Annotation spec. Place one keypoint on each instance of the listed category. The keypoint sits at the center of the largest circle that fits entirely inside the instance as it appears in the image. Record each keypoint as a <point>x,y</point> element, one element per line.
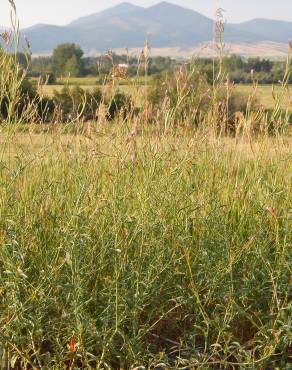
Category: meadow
<point>158,237</point>
<point>177,259</point>
<point>263,92</point>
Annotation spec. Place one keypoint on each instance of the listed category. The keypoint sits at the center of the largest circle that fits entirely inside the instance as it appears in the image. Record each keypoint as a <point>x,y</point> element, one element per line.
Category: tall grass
<point>181,257</point>
<point>136,245</point>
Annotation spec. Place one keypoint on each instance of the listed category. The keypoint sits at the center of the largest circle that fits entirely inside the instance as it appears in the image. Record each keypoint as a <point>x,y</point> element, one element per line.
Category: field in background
<point>263,92</point>
<point>265,95</point>
<point>134,87</point>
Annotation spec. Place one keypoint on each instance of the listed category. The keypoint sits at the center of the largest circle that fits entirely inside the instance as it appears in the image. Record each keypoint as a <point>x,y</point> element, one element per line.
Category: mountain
<point>165,25</point>
<point>44,38</point>
<point>116,11</point>
<point>267,29</point>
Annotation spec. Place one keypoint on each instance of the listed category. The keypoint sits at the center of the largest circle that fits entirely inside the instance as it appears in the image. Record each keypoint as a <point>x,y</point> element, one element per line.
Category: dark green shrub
<point>48,78</point>
<point>63,101</point>
<point>41,108</point>
<point>186,94</point>
<point>46,109</point>
<point>26,94</point>
<point>190,97</point>
<point>229,105</point>
<point>73,103</point>
<point>120,103</point>
<point>238,102</point>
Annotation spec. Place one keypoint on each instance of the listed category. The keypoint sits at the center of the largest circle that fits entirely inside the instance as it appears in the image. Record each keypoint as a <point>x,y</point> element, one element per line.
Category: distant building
<point>120,70</point>
<point>123,66</point>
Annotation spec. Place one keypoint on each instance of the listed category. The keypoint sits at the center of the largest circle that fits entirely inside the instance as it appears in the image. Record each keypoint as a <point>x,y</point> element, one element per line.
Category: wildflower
<point>72,345</point>
<point>133,134</point>
<point>272,211</point>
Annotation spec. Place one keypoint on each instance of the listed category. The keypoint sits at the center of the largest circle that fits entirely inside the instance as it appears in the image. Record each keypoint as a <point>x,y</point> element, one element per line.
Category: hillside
<point>165,25</point>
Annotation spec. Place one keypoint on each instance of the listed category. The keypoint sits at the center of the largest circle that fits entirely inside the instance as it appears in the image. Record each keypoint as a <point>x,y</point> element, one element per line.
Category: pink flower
<point>72,344</point>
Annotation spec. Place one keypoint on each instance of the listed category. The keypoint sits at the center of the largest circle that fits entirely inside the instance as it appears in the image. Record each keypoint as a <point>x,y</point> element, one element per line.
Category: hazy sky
<point>63,11</point>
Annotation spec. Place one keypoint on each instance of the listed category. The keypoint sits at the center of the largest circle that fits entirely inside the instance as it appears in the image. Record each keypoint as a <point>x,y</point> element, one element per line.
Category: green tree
<point>23,60</point>
<point>67,58</point>
<point>72,67</point>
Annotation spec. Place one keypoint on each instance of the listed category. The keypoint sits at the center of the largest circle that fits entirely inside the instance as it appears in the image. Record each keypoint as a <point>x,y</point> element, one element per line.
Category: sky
<point>61,12</point>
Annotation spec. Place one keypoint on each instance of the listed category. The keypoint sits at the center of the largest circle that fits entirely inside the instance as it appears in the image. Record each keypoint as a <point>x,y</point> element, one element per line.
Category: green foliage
<point>72,67</point>
<point>67,59</point>
<point>28,106</point>
<point>119,103</point>
<point>169,247</point>
<point>190,98</point>
<point>41,66</point>
<point>181,90</point>
<point>16,92</point>
<point>173,259</point>
<point>258,65</point>
<point>233,63</point>
<point>23,60</point>
<point>76,103</point>
<point>239,69</point>
<point>48,78</point>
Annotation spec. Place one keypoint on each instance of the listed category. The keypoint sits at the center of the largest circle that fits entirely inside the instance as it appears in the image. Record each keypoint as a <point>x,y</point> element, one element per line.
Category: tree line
<point>69,60</point>
<point>246,71</point>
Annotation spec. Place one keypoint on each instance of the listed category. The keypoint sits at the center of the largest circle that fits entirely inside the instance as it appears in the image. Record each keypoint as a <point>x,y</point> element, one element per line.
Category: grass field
<point>263,92</point>
<point>135,88</point>
<point>145,251</point>
<point>49,89</point>
<point>265,95</point>
<point>144,236</point>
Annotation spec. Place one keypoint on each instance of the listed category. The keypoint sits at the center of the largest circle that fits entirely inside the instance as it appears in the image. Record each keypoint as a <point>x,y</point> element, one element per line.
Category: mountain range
<point>165,25</point>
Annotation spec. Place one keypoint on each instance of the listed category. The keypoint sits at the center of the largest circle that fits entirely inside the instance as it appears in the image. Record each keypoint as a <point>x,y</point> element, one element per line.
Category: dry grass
<point>153,241</point>
<point>265,95</point>
<point>139,260</point>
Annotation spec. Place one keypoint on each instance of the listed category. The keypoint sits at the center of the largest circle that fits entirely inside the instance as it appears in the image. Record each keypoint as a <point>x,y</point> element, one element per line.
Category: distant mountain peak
<point>122,7</point>
<point>125,5</point>
<point>117,10</point>
<point>165,4</point>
